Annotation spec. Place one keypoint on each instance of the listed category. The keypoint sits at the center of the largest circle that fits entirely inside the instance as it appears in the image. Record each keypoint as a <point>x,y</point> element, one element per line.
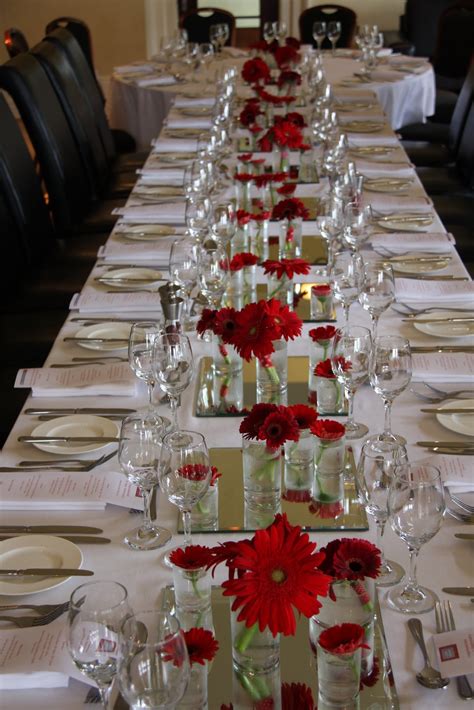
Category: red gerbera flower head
<point>324,369</point>
<point>296,696</point>
<point>255,71</point>
<point>250,426</point>
<point>191,557</point>
<point>323,334</point>
<point>243,177</point>
<point>288,267</point>
<point>286,134</point>
<point>223,552</point>
<point>296,495</point>
<point>356,559</point>
<point>245,157</point>
<point>304,415</point>
<point>290,324</point>
<point>290,209</point>
<point>293,42</point>
<point>278,427</point>
<point>272,99</point>
<point>255,331</point>
<point>280,575</point>
<point>284,56</point>
<point>249,113</point>
<point>215,475</point>
<point>328,429</point>
<point>261,216</point>
<point>194,471</point>
<point>321,290</point>
<point>296,118</point>
<point>289,77</point>
<point>287,189</point>
<point>207,321</point>
<point>201,645</point>
<point>224,323</point>
<point>326,511</point>
<point>342,639</point>
<point>242,217</point>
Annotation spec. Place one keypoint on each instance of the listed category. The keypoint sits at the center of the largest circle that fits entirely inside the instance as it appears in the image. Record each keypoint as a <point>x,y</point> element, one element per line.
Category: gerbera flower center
<point>278,576</point>
<point>355,565</point>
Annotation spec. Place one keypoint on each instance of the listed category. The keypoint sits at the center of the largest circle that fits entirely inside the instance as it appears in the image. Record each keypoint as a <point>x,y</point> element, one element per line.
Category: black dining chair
<point>197,23</point>
<point>328,13</point>
<point>454,45</point>
<point>15,42</point>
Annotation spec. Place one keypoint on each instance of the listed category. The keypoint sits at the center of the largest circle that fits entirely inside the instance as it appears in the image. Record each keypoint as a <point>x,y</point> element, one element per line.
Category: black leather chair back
<point>61,167</point>
<point>65,41</point>
<point>328,13</point>
<point>420,24</point>
<point>465,157</point>
<point>78,112</point>
<point>455,41</point>
<point>197,23</point>
<point>79,30</point>
<point>461,109</point>
<point>15,42</point>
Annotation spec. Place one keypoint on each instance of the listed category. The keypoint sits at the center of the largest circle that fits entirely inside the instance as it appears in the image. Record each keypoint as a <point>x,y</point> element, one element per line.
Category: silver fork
<point>404,309</point>
<point>466,507</point>
<point>25,622</point>
<point>92,697</point>
<point>444,393</point>
<point>434,400</point>
<point>39,608</point>
<point>460,516</point>
<point>77,464</point>
<point>445,622</point>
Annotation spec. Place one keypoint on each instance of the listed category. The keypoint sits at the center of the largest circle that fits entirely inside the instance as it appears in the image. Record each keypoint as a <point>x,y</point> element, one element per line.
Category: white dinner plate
<point>136,278</point>
<point>443,330</point>
<point>145,232</point>
<point>419,267</point>
<point>394,225</point>
<point>172,157</point>
<point>36,551</point>
<point>105,331</point>
<point>159,190</point>
<point>401,186</point>
<point>460,423</point>
<point>75,425</point>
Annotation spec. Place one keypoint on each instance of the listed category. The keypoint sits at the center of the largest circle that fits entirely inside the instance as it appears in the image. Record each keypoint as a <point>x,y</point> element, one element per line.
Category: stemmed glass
<point>390,374</point>
<point>319,33</point>
<point>334,32</point>
<point>153,666</point>
<point>138,456</point>
<point>213,272</point>
<point>140,349</point>
<point>184,473</point>
<point>173,366</point>
<point>206,53</point>
<point>331,228</point>
<point>356,217</point>
<point>184,269</point>
<point>378,291</point>
<point>416,507</point>
<point>97,611</point>
<point>197,215</point>
<point>280,30</point>
<point>268,31</point>
<point>350,355</point>
<point>373,476</point>
<point>347,274</point>
<point>223,224</point>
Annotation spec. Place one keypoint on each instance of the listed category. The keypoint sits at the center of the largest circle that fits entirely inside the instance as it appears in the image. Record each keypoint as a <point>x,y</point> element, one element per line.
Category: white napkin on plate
<point>186,102</point>
<point>88,380</point>
<point>416,241</point>
<point>90,300</point>
<point>132,68</point>
<point>158,249</point>
<point>397,204</point>
<point>384,169</point>
<point>443,367</point>
<point>163,80</point>
<point>163,175</point>
<point>188,122</point>
<point>384,137</point>
<point>413,290</point>
<point>174,145</point>
<point>169,213</point>
<point>381,75</point>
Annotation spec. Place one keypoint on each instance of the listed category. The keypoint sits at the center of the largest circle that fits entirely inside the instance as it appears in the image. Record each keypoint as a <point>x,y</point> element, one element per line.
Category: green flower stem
<point>279,288</point>
<point>338,395</point>
<point>194,578</point>
<point>322,447</point>
<point>245,637</point>
<point>255,686</point>
<point>265,471</point>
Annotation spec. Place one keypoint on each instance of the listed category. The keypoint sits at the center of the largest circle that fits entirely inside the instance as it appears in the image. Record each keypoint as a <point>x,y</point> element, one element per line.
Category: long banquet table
<point>443,560</point>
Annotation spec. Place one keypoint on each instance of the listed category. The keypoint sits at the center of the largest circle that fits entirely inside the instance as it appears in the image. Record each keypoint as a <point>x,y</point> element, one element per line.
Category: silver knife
<point>68,439</point>
<point>46,572</point>
<point>463,591</point>
<point>451,410</point>
<point>464,536</point>
<point>428,277</point>
<point>126,280</point>
<point>452,451</point>
<point>71,339</point>
<point>80,410</point>
<point>442,349</point>
<point>469,319</point>
<point>78,539</point>
<point>45,529</point>
<point>448,444</point>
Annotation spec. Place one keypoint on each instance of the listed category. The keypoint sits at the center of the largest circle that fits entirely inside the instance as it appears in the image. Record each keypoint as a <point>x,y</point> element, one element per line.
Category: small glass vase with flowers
<point>280,274</point>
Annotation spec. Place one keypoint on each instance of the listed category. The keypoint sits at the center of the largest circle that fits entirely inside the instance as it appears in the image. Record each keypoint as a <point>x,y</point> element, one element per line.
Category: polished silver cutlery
<point>68,439</point>
<point>73,339</point>
<point>464,536</point>
<point>46,572</point>
<point>428,676</point>
<point>428,277</point>
<point>445,622</point>
<point>51,529</point>
<point>60,411</point>
<point>442,349</point>
<point>38,608</point>
<point>447,444</point>
<point>448,319</point>
<point>460,591</point>
<point>77,539</point>
<point>448,410</point>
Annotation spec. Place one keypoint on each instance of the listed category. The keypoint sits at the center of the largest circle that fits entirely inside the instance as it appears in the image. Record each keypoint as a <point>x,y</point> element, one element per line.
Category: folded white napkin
<point>457,472</point>
<point>88,380</point>
<point>397,204</point>
<point>384,137</point>
<point>163,175</point>
<point>416,241</point>
<point>156,81</point>
<point>434,291</point>
<point>159,250</point>
<point>384,169</point>
<point>90,300</point>
<point>132,68</point>
<point>186,102</point>
<point>356,95</point>
<point>174,145</point>
<point>381,75</point>
<point>443,367</point>
<point>169,213</point>
<point>189,122</point>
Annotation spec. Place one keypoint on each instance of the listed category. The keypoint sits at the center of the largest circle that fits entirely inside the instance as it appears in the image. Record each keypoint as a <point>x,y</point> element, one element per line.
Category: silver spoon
<point>428,676</point>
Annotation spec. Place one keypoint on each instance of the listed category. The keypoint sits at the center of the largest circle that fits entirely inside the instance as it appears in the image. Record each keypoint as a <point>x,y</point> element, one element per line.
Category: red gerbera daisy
<point>215,475</point>
<point>287,189</point>
<point>242,216</point>
<point>223,552</point>
<point>289,323</point>
<point>194,471</point>
<point>191,557</point>
<point>293,42</point>
<point>280,574</point>
<point>321,290</point>
<point>287,135</point>
<point>370,679</point>
<point>245,157</point>
<point>255,70</point>
<point>322,334</point>
<point>278,427</point>
<point>207,321</point>
<point>289,267</point>
<point>296,696</point>
<point>290,209</point>
<point>296,118</point>
<point>304,415</point>
<point>356,559</point>
<point>324,369</point>
<point>242,259</point>
<point>284,56</point>
<point>250,426</point>
<point>296,495</point>
<point>289,77</point>
<point>328,429</point>
<point>201,645</point>
<point>224,323</point>
<point>341,639</point>
<point>254,332</point>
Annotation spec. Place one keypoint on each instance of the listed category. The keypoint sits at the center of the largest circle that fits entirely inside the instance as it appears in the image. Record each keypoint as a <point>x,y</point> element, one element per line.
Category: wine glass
<point>223,224</point>
<point>138,456</point>
<point>268,32</point>
<point>173,366</point>
<point>416,507</point>
<point>331,228</point>
<point>377,292</point>
<point>214,33</point>
<point>390,374</point>
<point>319,33</point>
<point>206,53</point>
<point>334,32</point>
<point>350,355</point>
<point>356,217</point>
<point>195,180</point>
<point>184,270</point>
<point>197,215</point>
<point>374,474</point>
<point>153,666</point>
<point>97,611</point>
<point>280,30</point>
<point>184,473</point>
<point>347,274</point>
<point>213,271</point>
<point>140,349</point>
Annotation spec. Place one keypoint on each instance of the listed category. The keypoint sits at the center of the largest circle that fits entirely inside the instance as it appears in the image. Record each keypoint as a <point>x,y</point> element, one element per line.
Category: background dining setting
<point>237,464</point>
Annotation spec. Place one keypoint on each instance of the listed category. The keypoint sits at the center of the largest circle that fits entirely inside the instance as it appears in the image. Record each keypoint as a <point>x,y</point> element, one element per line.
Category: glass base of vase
<point>355,430</point>
<point>393,574</point>
<point>411,601</point>
<point>392,438</point>
<point>150,538</point>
